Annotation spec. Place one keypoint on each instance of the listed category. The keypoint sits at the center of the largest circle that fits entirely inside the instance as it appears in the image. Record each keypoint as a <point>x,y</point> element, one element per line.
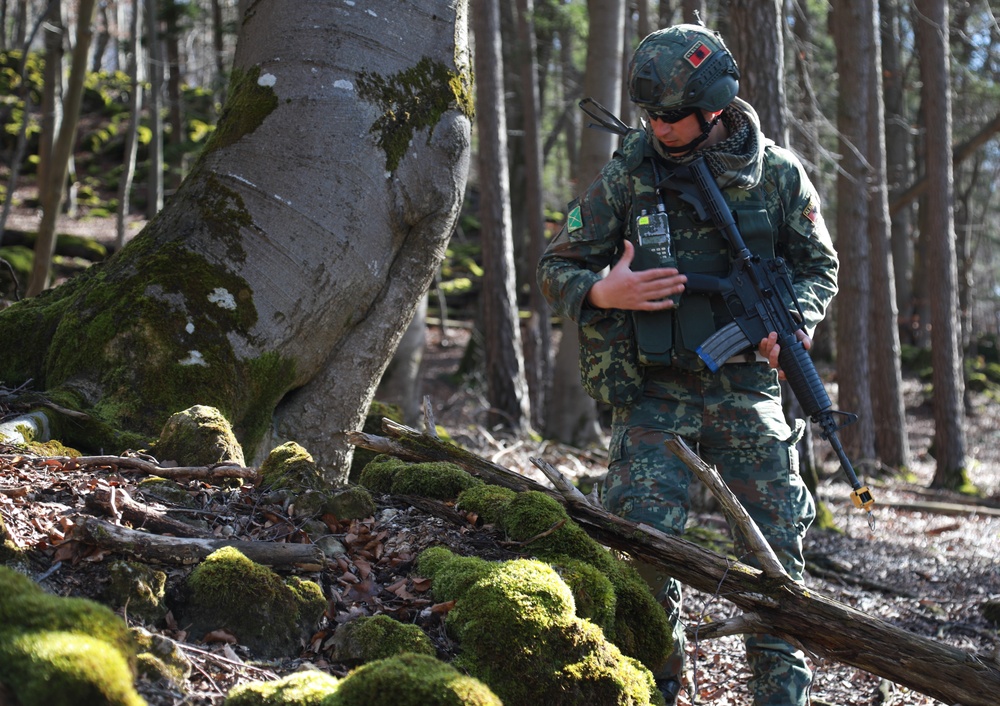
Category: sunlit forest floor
<point>928,570</point>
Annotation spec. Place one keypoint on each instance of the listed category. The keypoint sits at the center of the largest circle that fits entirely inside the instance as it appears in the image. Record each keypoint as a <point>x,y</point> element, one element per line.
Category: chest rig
<point>670,337</point>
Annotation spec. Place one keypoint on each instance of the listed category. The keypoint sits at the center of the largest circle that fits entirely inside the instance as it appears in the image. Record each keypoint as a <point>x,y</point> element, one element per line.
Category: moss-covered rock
<point>308,688</point>
<point>366,639</point>
<point>161,659</point>
<point>640,627</point>
<point>268,615</point>
<point>291,467</point>
<point>58,651</point>
<point>486,500</point>
<point>549,655</point>
<point>198,436</point>
<point>411,680</point>
<point>139,589</point>
<point>351,503</point>
<point>432,479</point>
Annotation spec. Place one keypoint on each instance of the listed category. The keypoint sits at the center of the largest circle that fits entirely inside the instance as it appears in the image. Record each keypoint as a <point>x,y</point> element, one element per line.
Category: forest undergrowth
<point>929,566</point>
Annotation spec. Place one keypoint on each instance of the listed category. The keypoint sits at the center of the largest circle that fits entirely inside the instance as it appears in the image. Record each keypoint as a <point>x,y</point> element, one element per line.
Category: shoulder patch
<point>811,211</point>
<point>574,221</point>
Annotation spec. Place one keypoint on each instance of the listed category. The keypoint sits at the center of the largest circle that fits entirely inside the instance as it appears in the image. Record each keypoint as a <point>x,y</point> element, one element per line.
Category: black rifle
<point>759,295</point>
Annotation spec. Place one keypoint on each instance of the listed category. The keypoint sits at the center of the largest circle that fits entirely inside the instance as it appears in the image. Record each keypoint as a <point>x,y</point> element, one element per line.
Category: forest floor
<point>929,570</point>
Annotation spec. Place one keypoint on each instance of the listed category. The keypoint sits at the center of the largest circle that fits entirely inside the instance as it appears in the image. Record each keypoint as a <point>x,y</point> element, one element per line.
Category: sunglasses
<point>671,116</point>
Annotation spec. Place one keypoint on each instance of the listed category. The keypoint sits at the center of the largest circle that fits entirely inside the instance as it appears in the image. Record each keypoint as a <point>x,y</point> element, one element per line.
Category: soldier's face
<point>676,134</point>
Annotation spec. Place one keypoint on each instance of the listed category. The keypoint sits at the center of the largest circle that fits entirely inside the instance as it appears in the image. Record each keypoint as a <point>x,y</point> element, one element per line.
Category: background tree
<point>507,390</point>
<point>855,67</point>
<point>572,415</point>
<point>62,151</point>
<point>755,35</point>
<point>934,56</point>
<point>888,419</point>
<point>283,272</point>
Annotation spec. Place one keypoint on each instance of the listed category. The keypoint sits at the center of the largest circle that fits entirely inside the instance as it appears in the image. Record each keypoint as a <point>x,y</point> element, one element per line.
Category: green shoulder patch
<point>574,221</point>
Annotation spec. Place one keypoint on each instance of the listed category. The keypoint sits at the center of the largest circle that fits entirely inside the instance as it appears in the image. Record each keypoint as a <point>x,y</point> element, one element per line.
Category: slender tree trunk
<point>538,332</point>
<point>855,66</point>
<point>51,94</point>
<point>132,137</point>
<point>62,151</point>
<point>154,183</point>
<point>898,162</point>
<point>506,387</point>
<point>888,418</point>
<point>949,433</point>
<point>572,415</point>
<point>218,45</point>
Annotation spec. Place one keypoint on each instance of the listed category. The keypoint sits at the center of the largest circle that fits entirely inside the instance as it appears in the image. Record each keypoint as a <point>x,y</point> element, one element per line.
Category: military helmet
<point>684,66</point>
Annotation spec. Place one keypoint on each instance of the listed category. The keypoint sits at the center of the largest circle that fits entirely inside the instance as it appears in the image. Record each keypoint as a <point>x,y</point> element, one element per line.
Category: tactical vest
<point>670,337</point>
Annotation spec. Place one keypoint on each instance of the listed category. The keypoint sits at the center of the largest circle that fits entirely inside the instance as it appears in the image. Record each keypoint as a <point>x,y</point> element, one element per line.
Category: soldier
<point>639,328</point>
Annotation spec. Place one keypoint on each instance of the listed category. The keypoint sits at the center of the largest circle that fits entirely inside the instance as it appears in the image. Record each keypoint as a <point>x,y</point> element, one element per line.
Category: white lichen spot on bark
<point>267,80</point>
<point>190,327</point>
<point>343,83</point>
<point>223,298</point>
<point>193,358</point>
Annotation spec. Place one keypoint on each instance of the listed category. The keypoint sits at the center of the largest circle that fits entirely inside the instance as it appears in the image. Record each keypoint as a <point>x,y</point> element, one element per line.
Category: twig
<point>734,510</point>
<point>568,490</point>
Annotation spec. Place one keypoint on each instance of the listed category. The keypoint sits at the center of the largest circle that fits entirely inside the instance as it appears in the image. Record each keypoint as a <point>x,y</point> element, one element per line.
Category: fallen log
<point>822,625</point>
<point>178,550</point>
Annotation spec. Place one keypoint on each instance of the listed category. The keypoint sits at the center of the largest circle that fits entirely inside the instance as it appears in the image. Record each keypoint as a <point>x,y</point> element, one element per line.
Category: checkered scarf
<point>737,160</point>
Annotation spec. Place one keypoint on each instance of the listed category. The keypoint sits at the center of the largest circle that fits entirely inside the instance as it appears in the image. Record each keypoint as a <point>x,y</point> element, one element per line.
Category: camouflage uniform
<point>733,417</point>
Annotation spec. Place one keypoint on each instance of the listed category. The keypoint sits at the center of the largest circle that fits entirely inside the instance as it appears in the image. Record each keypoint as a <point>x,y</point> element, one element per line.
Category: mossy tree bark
<point>771,603</point>
<point>277,281</point>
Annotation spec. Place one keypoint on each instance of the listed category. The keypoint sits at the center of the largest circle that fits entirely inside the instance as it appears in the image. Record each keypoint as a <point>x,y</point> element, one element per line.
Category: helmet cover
<point>684,66</point>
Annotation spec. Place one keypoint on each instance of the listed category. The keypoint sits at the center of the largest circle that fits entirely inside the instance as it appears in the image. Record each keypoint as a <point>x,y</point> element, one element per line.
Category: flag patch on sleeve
<point>811,212</point>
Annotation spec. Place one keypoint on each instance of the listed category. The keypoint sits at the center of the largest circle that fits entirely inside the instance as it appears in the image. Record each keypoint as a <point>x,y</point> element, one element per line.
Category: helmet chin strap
<point>706,129</point>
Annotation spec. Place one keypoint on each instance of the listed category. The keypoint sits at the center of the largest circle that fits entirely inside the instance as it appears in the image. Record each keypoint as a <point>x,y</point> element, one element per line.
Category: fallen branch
<point>134,463</point>
<point>177,550</point>
<point>824,626</point>
<point>117,503</point>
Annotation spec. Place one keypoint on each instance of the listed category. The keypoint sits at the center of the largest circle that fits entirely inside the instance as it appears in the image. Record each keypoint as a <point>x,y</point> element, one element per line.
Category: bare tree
<point>572,415</point>
<point>132,136</point>
<point>888,418</point>
<point>855,67</point>
<point>942,271</point>
<point>538,332</point>
<point>62,151</point>
<point>505,381</point>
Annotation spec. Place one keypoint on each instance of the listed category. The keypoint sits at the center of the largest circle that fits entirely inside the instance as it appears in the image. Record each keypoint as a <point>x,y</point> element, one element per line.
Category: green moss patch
<point>265,613</point>
<point>58,651</point>
<point>411,680</point>
<point>432,479</point>
<point>549,655</point>
<point>309,688</point>
<point>366,639</point>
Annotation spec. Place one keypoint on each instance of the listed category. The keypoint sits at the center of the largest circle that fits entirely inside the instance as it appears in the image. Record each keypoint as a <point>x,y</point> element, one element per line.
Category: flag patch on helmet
<point>697,54</point>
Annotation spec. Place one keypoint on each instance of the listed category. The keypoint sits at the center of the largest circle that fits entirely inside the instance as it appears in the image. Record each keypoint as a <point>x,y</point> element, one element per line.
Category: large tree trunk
<point>756,37</point>
<point>770,602</point>
<point>292,257</point>
<point>942,280</point>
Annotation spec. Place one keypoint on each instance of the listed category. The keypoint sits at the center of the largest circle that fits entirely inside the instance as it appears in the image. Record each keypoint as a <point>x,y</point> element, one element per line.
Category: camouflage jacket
<point>783,199</point>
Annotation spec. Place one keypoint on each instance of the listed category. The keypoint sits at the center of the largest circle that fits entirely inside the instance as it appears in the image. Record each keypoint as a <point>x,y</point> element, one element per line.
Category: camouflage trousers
<point>735,421</point>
